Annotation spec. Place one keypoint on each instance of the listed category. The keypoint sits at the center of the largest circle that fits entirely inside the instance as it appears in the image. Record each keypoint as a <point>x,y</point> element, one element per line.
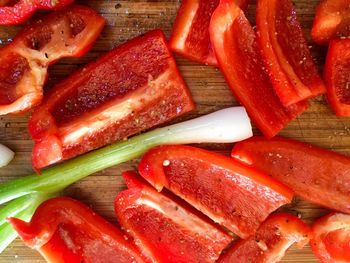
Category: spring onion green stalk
<point>224,126</point>
<point>6,155</point>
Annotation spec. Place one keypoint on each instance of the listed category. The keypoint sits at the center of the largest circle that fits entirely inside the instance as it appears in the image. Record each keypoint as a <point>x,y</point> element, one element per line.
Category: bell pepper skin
<point>229,192</point>
<point>237,52</point>
<point>317,175</point>
<point>64,230</point>
<point>337,76</point>
<point>330,238</point>
<point>332,20</point>
<point>106,101</point>
<point>270,243</point>
<point>24,62</point>
<point>285,52</point>
<point>190,37</point>
<point>165,229</point>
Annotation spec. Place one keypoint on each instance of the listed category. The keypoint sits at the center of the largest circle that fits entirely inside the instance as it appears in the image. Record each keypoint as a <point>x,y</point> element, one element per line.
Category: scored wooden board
<point>127,19</point>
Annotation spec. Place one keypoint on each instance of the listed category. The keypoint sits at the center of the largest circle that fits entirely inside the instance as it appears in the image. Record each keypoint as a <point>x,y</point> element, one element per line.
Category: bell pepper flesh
<point>285,52</point>
<point>132,88</point>
<point>237,51</point>
<point>190,36</point>
<point>317,175</point>
<point>337,76</point>
<point>230,193</point>
<point>270,243</point>
<point>332,20</point>
<point>330,238</point>
<point>65,230</point>
<point>165,229</point>
<point>24,62</point>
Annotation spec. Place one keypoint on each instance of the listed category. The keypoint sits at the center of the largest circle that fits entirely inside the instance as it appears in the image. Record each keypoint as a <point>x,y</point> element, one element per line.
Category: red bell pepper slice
<point>330,238</point>
<point>166,229</point>
<point>65,230</point>
<point>190,36</point>
<point>237,51</point>
<point>285,52</point>
<point>23,9</point>
<point>337,76</point>
<point>24,62</point>
<point>314,174</point>
<point>230,193</point>
<point>270,243</point>
<point>130,89</point>
<point>332,20</point>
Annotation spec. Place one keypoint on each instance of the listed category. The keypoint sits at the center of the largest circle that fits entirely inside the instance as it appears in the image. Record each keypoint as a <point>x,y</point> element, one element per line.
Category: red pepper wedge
<point>64,230</point>
<point>285,52</point>
<point>337,76</point>
<point>14,14</point>
<point>332,20</point>
<point>315,174</point>
<point>270,243</point>
<point>190,37</point>
<point>24,62</point>
<point>237,51</point>
<point>228,192</point>
<point>166,229</point>
<point>130,89</point>
<point>330,238</point>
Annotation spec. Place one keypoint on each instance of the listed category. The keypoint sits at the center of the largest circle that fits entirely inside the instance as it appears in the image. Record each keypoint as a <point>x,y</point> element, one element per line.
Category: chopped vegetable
<point>315,174</point>
<point>228,192</point>
<point>332,20</point>
<point>65,230</point>
<point>337,76</point>
<point>270,243</point>
<point>23,9</point>
<point>165,229</point>
<point>285,52</point>
<point>106,101</point>
<point>24,62</point>
<point>236,49</point>
<point>6,155</point>
<point>330,238</point>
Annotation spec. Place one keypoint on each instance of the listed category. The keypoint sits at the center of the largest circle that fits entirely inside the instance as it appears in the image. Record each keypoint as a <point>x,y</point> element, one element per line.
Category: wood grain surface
<point>127,19</point>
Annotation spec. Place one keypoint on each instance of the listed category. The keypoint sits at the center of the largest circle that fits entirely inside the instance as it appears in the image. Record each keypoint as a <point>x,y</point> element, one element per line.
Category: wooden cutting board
<point>127,19</point>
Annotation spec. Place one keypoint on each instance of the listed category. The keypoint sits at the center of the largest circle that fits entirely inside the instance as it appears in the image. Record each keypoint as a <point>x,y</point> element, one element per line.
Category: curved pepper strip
<point>337,76</point>
<point>228,192</point>
<point>315,174</point>
<point>270,243</point>
<point>237,51</point>
<point>330,238</point>
<point>332,20</point>
<point>64,230</point>
<point>24,62</point>
<point>285,52</point>
<point>134,87</point>
<point>23,9</point>
<point>190,36</point>
<point>166,229</point>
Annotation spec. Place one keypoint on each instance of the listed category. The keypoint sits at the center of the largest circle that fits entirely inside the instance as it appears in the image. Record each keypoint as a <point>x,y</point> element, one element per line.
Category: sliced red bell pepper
<point>285,52</point>
<point>64,230</point>
<point>270,243</point>
<point>166,229</point>
<point>130,89</point>
<point>330,238</point>
<point>190,36</point>
<point>332,20</point>
<point>237,51</point>
<point>315,174</point>
<point>24,62</point>
<point>337,76</point>
<point>14,14</point>
<point>230,193</point>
